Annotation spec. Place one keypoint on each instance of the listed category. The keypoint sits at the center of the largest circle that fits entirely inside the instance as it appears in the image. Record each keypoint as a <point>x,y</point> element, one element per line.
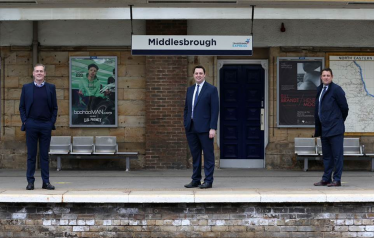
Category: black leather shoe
<point>206,185</point>
<point>321,183</point>
<point>48,186</point>
<point>192,184</point>
<point>334,184</point>
<point>30,186</point>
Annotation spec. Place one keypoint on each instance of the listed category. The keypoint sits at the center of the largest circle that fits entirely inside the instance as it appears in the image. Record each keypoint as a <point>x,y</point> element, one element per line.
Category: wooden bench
<point>311,149</point>
<point>84,147</point>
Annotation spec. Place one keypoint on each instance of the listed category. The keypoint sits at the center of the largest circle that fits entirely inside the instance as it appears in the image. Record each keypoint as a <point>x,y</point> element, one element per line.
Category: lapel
<point>202,91</point>
<point>30,93</point>
<point>48,93</point>
<point>328,91</point>
<point>190,94</point>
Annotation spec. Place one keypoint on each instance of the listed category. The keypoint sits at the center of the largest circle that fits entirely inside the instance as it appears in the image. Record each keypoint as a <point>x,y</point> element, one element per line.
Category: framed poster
<point>93,91</point>
<point>354,72</point>
<point>298,79</point>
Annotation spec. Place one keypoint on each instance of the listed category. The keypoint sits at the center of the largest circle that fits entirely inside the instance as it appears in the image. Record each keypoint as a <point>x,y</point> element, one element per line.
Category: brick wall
<point>166,83</point>
<point>187,220</point>
<point>131,106</point>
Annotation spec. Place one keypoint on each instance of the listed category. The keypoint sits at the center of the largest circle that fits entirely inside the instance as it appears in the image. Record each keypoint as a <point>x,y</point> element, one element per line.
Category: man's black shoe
<point>192,184</point>
<point>321,183</point>
<point>48,186</point>
<point>206,185</point>
<point>334,184</point>
<point>30,186</point>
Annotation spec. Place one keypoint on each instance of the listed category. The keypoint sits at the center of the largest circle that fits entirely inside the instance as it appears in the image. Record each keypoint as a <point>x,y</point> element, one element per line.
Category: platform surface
<point>166,186</point>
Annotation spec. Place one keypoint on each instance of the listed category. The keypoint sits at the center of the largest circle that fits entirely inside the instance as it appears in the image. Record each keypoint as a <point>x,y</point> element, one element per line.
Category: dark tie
<point>320,100</point>
<point>196,96</point>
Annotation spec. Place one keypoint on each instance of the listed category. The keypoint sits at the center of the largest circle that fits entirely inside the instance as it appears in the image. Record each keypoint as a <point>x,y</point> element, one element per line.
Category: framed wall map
<point>354,72</point>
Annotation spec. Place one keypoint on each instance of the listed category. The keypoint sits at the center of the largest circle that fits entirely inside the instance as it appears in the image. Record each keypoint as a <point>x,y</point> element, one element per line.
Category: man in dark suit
<point>330,113</point>
<point>200,121</point>
<point>38,110</point>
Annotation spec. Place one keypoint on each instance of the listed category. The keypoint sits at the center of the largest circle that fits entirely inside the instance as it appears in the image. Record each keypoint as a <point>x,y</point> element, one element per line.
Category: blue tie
<point>196,96</point>
<point>320,100</point>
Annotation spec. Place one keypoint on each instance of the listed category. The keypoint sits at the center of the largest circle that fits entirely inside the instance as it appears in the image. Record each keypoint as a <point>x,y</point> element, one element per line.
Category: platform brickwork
<point>187,220</point>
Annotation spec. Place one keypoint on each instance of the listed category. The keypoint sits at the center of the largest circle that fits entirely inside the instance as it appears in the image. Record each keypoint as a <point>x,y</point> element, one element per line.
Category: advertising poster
<point>93,91</point>
<point>298,79</point>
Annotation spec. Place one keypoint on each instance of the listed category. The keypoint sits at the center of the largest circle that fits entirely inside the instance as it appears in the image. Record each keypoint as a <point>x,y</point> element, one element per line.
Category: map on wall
<point>355,74</point>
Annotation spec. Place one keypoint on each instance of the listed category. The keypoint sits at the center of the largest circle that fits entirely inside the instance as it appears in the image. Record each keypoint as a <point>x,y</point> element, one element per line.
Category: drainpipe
<point>35,44</point>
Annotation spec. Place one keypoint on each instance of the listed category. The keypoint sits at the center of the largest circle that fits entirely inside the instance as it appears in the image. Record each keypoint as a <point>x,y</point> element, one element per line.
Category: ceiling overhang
<point>34,10</point>
<point>40,14</point>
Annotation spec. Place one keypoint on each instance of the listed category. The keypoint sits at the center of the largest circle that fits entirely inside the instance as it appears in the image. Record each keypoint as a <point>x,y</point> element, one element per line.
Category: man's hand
<point>212,133</point>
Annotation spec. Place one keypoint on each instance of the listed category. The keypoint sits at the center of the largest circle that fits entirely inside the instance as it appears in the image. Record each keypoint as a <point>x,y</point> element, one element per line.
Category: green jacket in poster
<point>90,88</point>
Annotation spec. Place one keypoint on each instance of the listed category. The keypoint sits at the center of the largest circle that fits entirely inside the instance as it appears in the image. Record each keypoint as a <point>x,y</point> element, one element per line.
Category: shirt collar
<point>201,85</point>
<point>39,86</point>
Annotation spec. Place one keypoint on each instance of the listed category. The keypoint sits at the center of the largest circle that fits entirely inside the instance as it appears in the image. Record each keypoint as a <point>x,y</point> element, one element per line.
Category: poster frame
<point>93,58</point>
<point>306,59</point>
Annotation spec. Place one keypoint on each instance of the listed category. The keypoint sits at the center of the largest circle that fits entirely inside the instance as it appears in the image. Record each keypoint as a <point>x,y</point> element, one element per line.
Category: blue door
<point>242,112</point>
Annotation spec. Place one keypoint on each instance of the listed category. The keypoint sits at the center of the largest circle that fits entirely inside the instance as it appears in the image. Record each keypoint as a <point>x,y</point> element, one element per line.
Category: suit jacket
<point>334,111</point>
<point>206,109</point>
<point>27,98</point>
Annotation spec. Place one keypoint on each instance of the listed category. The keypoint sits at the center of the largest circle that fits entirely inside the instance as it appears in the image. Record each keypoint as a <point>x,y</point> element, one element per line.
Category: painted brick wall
<point>166,83</point>
<point>187,220</point>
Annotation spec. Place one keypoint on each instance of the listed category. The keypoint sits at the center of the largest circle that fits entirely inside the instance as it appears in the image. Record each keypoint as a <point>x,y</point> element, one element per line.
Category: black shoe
<point>334,184</point>
<point>192,184</point>
<point>321,183</point>
<point>48,186</point>
<point>30,186</point>
<point>206,185</point>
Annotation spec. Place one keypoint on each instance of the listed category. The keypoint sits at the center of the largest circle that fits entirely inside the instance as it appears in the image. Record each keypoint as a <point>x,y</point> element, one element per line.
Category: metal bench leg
<point>127,164</point>
<point>58,163</point>
<point>305,164</point>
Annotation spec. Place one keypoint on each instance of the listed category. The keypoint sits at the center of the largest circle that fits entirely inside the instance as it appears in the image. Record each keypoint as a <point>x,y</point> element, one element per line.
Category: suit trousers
<point>332,150</point>
<point>199,142</point>
<point>38,131</point>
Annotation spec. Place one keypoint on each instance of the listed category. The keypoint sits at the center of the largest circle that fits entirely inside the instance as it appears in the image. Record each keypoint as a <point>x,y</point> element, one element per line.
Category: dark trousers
<point>332,150</point>
<point>38,131</point>
<point>199,142</point>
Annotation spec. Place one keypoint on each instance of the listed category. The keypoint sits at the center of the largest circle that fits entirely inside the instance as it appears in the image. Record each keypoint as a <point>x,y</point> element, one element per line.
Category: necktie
<point>320,99</point>
<point>196,96</point>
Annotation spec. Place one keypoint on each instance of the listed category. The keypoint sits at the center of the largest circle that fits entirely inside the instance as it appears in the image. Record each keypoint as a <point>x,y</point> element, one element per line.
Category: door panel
<point>242,98</point>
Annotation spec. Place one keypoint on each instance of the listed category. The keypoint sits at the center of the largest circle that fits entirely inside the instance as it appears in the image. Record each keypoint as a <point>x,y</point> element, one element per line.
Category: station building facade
<point>151,89</point>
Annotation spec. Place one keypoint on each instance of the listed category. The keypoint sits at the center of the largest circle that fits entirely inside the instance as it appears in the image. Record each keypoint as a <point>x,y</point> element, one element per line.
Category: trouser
<point>38,131</point>
<point>199,142</point>
<point>332,150</point>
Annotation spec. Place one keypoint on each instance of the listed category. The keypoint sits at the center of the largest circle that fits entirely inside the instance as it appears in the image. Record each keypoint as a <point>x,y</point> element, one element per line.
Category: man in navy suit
<point>200,122</point>
<point>38,110</point>
<point>330,113</point>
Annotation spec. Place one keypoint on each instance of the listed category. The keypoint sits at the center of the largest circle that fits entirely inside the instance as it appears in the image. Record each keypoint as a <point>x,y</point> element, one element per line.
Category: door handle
<point>262,119</point>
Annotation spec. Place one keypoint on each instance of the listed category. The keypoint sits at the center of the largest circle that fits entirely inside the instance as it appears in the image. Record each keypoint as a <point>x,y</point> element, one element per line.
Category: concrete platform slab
<point>34,196</point>
<point>224,196</point>
<point>285,196</point>
<point>358,195</point>
<point>161,197</point>
<point>96,196</point>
